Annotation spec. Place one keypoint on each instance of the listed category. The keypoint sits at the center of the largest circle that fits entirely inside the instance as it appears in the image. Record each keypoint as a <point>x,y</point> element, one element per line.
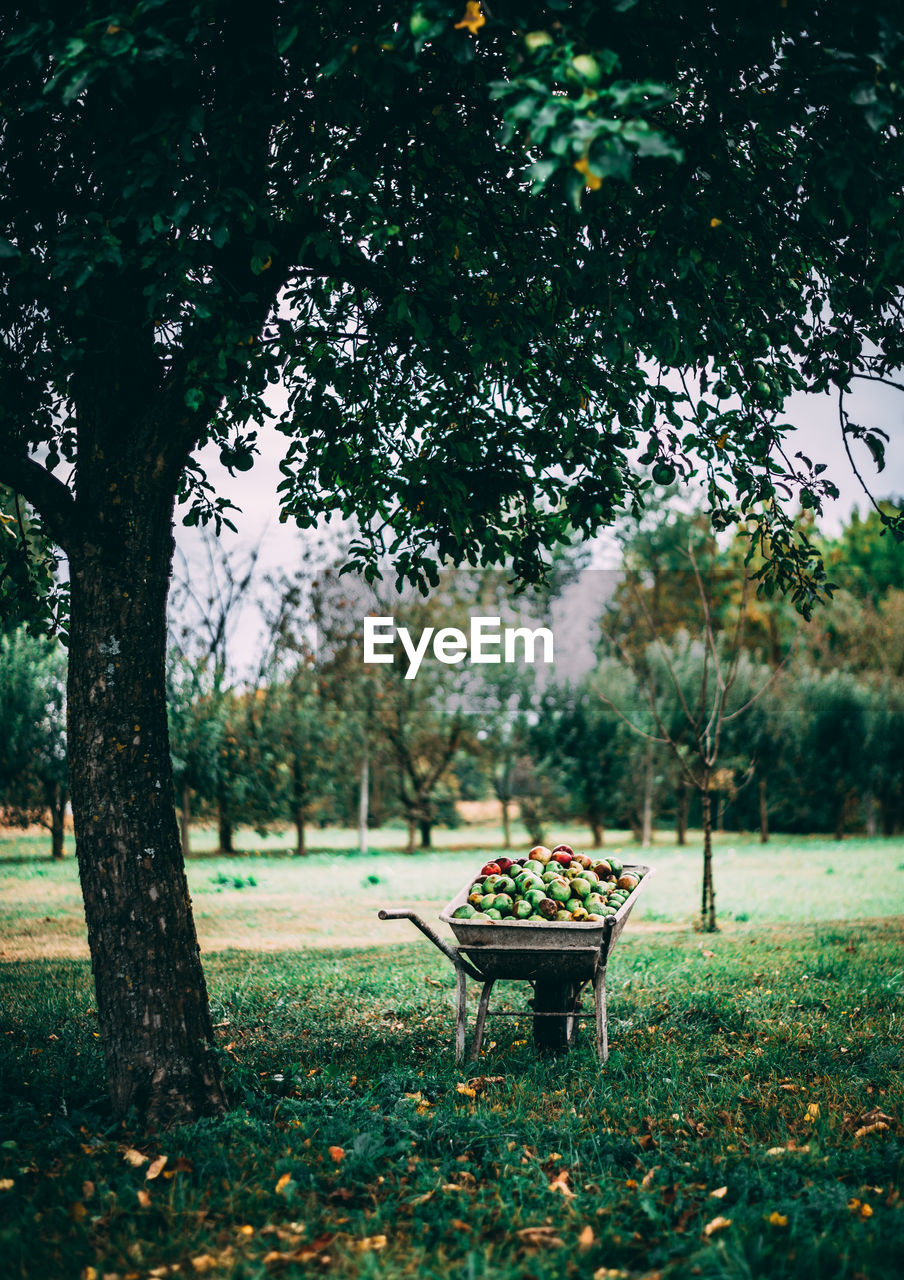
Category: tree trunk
<point>684,802</point>
<point>185,821</point>
<point>764,813</point>
<point>224,823</point>
<point>412,832</point>
<point>363,799</point>
<point>646,830</point>
<point>708,900</point>
<point>57,821</point>
<point>720,813</point>
<point>425,826</point>
<point>153,1014</point>
<point>872,816</point>
<point>300,848</point>
<point>506,825</point>
<point>598,832</point>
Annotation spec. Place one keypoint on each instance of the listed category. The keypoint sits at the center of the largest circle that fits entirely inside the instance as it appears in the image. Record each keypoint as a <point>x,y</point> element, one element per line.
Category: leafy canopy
<point>497,259</point>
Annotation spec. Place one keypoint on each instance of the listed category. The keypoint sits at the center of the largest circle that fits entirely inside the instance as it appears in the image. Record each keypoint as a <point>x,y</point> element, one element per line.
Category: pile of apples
<point>549,884</point>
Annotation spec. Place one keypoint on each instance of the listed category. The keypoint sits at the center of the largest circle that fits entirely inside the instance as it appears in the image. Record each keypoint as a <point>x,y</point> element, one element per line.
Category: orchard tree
<point>34,776</point>
<point>199,200</point>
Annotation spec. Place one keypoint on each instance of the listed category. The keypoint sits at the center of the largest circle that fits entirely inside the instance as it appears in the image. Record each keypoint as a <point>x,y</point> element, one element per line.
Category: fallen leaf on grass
<point>419,1200</point>
<point>88,1189</point>
<point>465,1090</point>
<point>479,1083</point>
<point>648,1177</point>
<point>586,1238</point>
<point>155,1168</point>
<point>540,1236</point>
<point>879,1127</point>
<point>283,1183</point>
<point>7,1184</point>
<point>203,1262</point>
<point>718,1194</point>
<point>717,1224</point>
<point>609,1273</point>
<point>337,1154</point>
<point>144,1198</point>
<point>812,1113</point>
<point>561,1184</point>
<point>708,954</point>
<point>777,1220</point>
<point>371,1244</point>
<point>134,1158</point>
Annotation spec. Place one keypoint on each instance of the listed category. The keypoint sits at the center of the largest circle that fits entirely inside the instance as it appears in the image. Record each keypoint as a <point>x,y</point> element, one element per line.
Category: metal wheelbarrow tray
<point>557,958</point>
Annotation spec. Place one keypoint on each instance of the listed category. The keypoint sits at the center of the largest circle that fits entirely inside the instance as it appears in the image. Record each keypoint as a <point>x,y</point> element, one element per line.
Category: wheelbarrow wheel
<point>552,996</point>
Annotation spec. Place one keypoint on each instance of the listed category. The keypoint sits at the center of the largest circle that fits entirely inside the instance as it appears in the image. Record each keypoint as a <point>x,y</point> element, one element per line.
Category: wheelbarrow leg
<point>462,1020</point>
<point>599,1002</point>
<point>481,1019</point>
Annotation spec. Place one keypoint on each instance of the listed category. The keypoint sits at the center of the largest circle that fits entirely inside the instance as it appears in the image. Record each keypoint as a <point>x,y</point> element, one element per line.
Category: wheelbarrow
<point>558,959</point>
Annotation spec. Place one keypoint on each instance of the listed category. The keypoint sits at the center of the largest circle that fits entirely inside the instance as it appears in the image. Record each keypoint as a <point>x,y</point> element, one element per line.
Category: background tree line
<point>810,736</point>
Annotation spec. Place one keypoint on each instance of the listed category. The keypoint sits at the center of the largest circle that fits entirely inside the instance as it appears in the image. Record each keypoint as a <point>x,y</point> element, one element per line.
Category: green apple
<point>522,910</point>
<point>493,914</point>
<point>563,915</point>
<point>580,887</point>
<point>503,904</point>
<point>574,904</point>
<point>536,867</point>
<point>535,897</point>
<point>464,912</point>
<point>487,901</point>
<point>559,889</point>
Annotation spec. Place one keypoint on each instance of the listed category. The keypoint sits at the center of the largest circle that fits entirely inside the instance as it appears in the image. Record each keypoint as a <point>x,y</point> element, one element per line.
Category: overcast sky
<point>817,434</point>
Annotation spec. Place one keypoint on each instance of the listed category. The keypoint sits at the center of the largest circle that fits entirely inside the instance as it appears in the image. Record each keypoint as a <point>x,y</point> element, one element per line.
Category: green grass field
<point>748,1123</point>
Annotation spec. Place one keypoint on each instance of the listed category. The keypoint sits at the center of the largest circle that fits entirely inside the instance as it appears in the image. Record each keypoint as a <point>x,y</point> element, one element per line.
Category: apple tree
<point>475,328</point>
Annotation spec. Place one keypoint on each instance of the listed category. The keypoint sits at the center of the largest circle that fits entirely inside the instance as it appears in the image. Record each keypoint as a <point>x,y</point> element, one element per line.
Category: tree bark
<point>412,832</point>
<point>226,830</point>
<point>764,813</point>
<point>426,827</point>
<point>57,821</point>
<point>506,825</point>
<point>598,832</point>
<point>185,821</point>
<point>708,900</point>
<point>363,799</point>
<point>646,831</point>
<point>684,801</point>
<point>152,1006</point>
<point>300,847</point>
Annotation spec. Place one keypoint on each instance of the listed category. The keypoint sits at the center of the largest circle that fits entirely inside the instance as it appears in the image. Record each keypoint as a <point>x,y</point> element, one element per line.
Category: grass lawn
<point>749,1122</point>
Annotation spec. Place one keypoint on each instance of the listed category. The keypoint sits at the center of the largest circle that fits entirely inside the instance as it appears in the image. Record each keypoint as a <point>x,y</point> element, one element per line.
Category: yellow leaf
<point>853,1205</point>
<point>866,1211</point>
<point>155,1168</point>
<point>593,180</point>
<point>777,1220</point>
<point>89,1273</point>
<point>246,1231</point>
<point>283,1183</point>
<point>78,1212</point>
<point>718,1194</point>
<point>473,19</point>
<point>466,1090</point>
<point>717,1224</point>
<point>540,1236</point>
<point>372,1244</point>
<point>586,1238</point>
<point>720,444</point>
<point>266,264</point>
<point>7,1184</point>
<point>561,1184</point>
<point>879,1127</point>
<point>812,1112</point>
<point>337,1154</point>
<point>715,222</point>
<point>203,1262</point>
<point>143,1198</point>
<point>134,1158</point>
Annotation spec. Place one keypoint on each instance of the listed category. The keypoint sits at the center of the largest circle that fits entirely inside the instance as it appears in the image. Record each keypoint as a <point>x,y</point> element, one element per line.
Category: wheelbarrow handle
<point>400,913</point>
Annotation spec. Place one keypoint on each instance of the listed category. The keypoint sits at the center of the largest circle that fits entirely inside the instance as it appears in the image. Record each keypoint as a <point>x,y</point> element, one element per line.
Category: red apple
<point>491,869</point>
<point>540,853</point>
<point>564,848</point>
<point>563,858</point>
<point>504,864</point>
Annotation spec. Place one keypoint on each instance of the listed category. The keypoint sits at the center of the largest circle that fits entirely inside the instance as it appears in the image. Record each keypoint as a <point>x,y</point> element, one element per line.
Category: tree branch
<point>51,499</point>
